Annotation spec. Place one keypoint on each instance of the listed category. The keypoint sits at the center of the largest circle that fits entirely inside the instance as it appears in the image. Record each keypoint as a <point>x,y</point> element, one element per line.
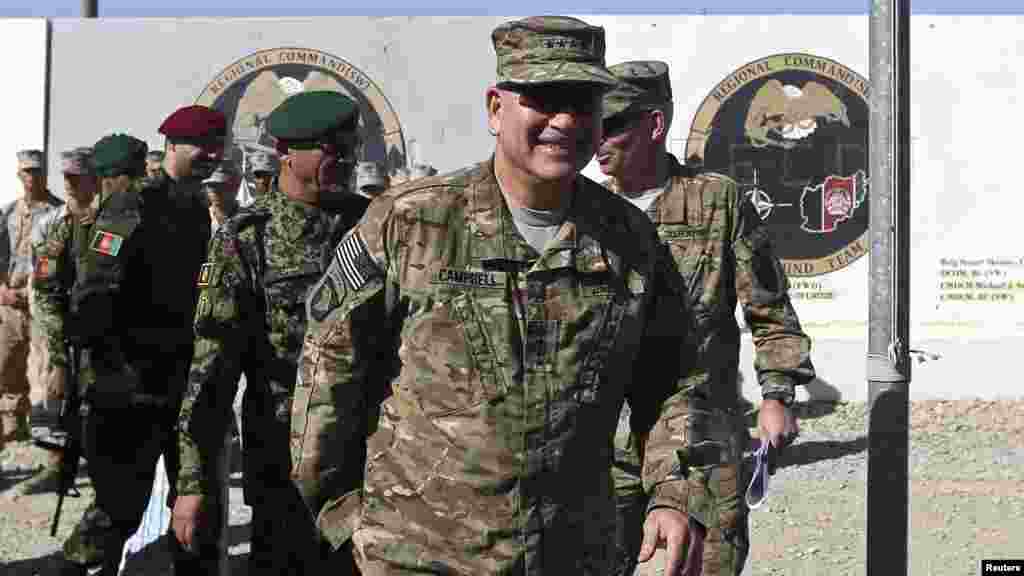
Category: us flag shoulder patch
<point>357,266</point>
<point>106,243</point>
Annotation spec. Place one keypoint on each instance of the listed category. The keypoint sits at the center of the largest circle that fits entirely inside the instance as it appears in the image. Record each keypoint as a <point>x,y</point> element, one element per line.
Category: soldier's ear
<point>493,103</point>
<point>659,125</point>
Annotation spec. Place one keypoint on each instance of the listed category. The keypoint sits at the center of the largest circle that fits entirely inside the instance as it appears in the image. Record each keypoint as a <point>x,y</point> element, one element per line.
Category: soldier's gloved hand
<point>187,520</point>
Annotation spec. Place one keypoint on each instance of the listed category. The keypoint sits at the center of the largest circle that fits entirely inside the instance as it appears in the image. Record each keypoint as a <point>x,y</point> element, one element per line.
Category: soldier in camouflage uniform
<point>263,168</point>
<point>221,189</point>
<point>724,256</point>
<point>80,187</point>
<point>22,224</point>
<point>520,298</point>
<point>251,319</point>
<point>113,287</point>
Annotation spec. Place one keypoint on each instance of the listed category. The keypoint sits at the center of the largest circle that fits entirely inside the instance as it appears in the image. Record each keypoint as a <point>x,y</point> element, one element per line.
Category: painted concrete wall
<point>23,44</point>
<point>968,277</point>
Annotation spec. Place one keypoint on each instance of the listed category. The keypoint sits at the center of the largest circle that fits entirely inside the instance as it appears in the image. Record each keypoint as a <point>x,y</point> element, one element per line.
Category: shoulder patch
<point>325,297</point>
<point>357,266</point>
<point>106,243</point>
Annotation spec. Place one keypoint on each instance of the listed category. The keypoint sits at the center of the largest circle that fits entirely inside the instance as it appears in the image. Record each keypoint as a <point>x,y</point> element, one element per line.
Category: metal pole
<point>888,365</point>
<point>90,8</point>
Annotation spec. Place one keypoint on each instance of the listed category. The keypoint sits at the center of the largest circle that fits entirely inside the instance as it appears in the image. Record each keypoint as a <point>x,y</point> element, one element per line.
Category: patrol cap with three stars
<point>30,159</point>
<point>118,154</point>
<point>194,123</point>
<point>309,119</point>
<point>78,161</point>
<point>550,49</point>
<point>642,84</point>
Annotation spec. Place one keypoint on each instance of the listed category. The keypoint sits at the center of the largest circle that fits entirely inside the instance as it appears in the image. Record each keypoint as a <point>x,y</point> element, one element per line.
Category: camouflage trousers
<point>727,537</point>
<point>15,336</point>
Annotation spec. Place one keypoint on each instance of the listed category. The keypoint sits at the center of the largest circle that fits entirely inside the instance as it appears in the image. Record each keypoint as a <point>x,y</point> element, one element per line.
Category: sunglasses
<point>552,99</point>
<point>621,122</point>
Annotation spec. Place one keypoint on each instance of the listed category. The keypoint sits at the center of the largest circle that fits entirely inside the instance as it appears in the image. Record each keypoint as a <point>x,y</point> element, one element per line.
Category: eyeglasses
<point>552,99</point>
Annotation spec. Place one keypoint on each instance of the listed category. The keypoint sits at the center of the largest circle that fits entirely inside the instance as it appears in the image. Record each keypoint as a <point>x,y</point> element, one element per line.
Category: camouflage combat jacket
<point>724,255</point>
<point>492,450</point>
<point>251,318</point>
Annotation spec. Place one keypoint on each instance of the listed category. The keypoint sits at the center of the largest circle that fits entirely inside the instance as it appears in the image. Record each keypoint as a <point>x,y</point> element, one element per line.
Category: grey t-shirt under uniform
<point>538,227</point>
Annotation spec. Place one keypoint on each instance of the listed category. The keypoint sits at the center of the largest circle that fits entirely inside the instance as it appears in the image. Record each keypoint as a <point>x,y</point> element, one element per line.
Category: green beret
<point>118,154</point>
<point>551,49</point>
<point>309,117</point>
<point>642,84</point>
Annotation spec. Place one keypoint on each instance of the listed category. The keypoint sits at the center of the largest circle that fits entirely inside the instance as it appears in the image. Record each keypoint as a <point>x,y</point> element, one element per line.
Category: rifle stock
<point>71,422</point>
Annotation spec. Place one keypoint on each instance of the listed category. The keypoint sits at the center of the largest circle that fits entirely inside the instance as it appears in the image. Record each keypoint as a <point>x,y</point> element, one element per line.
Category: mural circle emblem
<point>792,130</point>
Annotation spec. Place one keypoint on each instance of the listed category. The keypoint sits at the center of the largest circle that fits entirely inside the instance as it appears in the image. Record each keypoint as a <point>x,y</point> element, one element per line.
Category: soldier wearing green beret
<point>476,336</point>
<point>101,290</point>
<point>251,319</point>
<point>726,256</point>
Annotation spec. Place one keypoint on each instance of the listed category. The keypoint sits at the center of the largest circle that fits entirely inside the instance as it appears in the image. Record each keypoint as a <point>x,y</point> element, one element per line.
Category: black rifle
<point>71,423</point>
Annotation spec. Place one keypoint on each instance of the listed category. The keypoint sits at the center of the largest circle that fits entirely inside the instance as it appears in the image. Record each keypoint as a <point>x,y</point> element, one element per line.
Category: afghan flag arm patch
<point>106,243</point>
<point>356,264</point>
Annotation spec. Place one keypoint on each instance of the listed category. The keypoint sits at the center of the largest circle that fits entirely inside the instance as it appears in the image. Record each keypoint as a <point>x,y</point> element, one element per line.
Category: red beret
<point>194,122</point>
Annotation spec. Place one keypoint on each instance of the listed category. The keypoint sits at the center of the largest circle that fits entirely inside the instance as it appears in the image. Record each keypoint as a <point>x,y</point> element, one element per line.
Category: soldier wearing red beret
<point>133,299</point>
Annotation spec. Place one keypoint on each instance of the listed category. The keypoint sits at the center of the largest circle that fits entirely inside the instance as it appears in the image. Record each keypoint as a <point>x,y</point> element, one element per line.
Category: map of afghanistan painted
<point>792,130</point>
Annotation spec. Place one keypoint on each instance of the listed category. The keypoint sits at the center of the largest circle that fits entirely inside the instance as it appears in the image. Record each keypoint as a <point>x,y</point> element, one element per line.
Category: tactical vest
<point>98,251</point>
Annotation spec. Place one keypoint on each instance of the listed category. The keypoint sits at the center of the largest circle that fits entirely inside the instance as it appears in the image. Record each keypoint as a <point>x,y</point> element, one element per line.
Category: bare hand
<point>187,519</point>
<point>670,529</point>
<point>777,423</point>
<point>8,297</point>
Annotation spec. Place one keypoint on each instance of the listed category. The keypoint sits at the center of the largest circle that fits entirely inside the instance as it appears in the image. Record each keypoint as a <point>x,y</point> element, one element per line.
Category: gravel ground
<point>967,501</point>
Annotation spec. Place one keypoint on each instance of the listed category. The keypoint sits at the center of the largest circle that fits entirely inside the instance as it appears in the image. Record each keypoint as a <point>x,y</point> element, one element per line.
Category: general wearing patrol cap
<point>29,159</point>
<point>78,161</point>
<point>225,172</point>
<point>261,161</point>
<point>194,123</point>
<point>119,154</point>
<point>642,84</point>
<point>309,119</point>
<point>371,174</point>
<point>549,49</point>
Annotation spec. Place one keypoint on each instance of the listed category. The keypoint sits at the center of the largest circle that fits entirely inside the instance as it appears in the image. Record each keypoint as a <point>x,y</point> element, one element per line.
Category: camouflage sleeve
<point>5,246</point>
<point>660,408</point>
<point>51,278</point>
<point>222,327</point>
<point>344,370</point>
<point>782,356</point>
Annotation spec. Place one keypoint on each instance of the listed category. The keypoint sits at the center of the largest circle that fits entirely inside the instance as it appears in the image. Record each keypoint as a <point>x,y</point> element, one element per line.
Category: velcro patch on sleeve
<point>106,243</point>
<point>357,266</point>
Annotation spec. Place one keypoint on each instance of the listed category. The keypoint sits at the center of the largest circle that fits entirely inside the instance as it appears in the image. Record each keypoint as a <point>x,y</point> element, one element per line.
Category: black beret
<point>311,116</point>
<point>194,123</point>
